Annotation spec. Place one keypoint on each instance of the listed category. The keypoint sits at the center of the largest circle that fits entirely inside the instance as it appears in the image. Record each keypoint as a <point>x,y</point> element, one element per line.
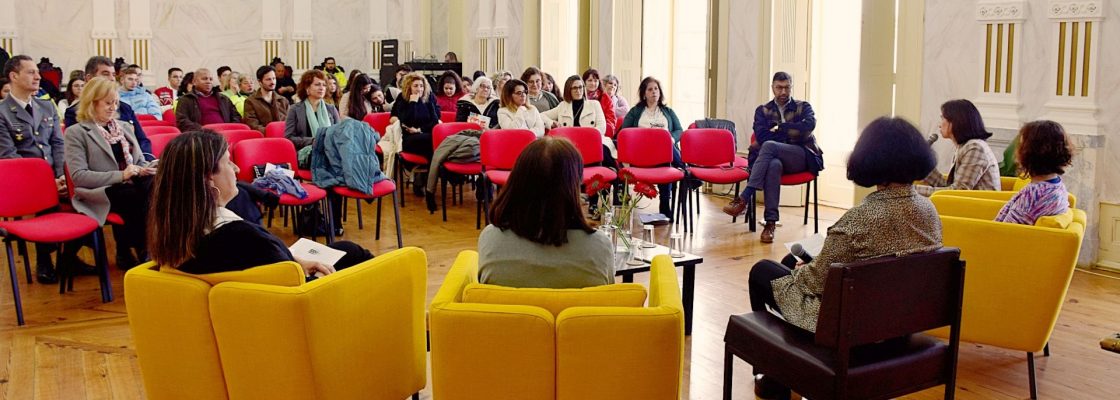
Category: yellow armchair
<point>263,333</point>
<point>1017,275</point>
<point>355,334</point>
<point>592,343</point>
<point>169,316</point>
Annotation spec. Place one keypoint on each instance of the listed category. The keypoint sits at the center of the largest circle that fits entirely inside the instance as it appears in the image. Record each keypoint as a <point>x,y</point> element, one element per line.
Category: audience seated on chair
<point>418,113</point>
<point>136,96</point>
<point>577,110</point>
<point>1043,154</point>
<point>356,101</point>
<point>783,144</point>
<point>99,66</point>
<point>538,236</point>
<point>167,94</point>
<point>195,233</point>
<point>479,101</point>
<point>449,89</point>
<point>118,181</point>
<point>650,112</point>
<point>204,105</point>
<point>73,91</point>
<point>308,116</point>
<point>974,164</point>
<point>537,96</point>
<point>265,106</point>
<point>894,220</point>
<point>516,112</point>
<point>593,91</point>
<point>613,87</point>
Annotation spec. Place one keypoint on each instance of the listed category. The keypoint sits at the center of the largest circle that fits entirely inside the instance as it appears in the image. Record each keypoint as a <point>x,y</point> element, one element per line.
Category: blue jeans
<point>774,160</point>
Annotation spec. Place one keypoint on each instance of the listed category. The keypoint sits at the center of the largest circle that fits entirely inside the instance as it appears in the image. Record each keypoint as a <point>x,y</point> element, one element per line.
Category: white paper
<point>479,119</point>
<point>270,166</point>
<point>314,251</point>
<point>812,244</point>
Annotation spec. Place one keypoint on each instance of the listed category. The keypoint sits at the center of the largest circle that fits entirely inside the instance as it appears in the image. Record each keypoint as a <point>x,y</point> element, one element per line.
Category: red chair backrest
<point>378,121</point>
<point>442,131</point>
<point>692,125</point>
<point>146,117</point>
<point>707,147</point>
<point>28,187</point>
<point>237,136</point>
<point>156,130</point>
<point>262,151</point>
<point>156,122</point>
<point>645,147</point>
<point>586,139</point>
<point>169,115</point>
<point>500,148</point>
<point>447,116</point>
<point>275,129</point>
<point>617,126</point>
<point>226,126</point>
<point>159,142</point>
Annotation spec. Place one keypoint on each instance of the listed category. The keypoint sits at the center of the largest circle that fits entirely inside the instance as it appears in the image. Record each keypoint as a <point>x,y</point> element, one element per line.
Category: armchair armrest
<point>967,207</point>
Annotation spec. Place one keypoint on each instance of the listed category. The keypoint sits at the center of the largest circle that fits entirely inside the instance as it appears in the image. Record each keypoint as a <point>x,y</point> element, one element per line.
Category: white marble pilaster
<point>8,29</point>
<point>104,32</point>
<point>1076,28</point>
<point>999,100</point>
<point>378,31</point>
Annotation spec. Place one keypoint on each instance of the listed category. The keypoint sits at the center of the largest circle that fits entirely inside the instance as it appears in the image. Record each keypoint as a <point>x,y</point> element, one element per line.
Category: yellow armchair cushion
<point>1060,221</point>
<point>285,273</point>
<point>557,300</point>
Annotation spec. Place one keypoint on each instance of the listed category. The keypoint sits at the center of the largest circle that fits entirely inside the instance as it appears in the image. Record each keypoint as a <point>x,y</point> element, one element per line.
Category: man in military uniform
<point>29,128</point>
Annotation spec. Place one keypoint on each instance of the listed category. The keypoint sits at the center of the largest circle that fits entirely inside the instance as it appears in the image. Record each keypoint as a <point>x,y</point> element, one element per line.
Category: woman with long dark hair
<point>516,112</point>
<point>356,102</point>
<point>651,112</point>
<point>538,236</point>
<point>449,89</point>
<point>974,165</point>
<point>192,231</point>
<point>594,89</point>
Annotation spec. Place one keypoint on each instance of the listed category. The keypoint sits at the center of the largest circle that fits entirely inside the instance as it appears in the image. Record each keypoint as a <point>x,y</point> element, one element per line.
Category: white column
<point>140,34</point>
<point>1000,61</point>
<point>484,33</point>
<point>8,31</point>
<point>378,31</point>
<point>1076,33</point>
<point>104,31</point>
<point>408,34</point>
<point>500,31</point>
<point>271,35</point>
<point>302,33</point>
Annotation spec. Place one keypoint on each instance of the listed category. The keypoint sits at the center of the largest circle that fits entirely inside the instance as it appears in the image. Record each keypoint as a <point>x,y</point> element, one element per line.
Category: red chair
<point>159,142</point>
<point>447,116</point>
<point>378,121</point>
<point>709,156</point>
<point>169,115</point>
<point>278,151</point>
<point>237,136</point>
<point>28,189</point>
<point>146,117</point>
<point>274,129</point>
<point>227,126</point>
<point>156,122</point>
<point>589,142</point>
<point>439,133</point>
<point>380,190</point>
<point>648,154</point>
<point>157,130</point>
<point>499,150</point>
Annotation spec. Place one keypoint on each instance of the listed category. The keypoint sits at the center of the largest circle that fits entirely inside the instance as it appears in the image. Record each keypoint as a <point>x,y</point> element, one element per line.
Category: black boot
<point>44,270</point>
<point>125,259</point>
<point>68,259</point>
<point>770,389</point>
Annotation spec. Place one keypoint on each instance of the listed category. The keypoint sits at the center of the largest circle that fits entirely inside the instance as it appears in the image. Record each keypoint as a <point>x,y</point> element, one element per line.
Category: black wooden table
<point>688,262</point>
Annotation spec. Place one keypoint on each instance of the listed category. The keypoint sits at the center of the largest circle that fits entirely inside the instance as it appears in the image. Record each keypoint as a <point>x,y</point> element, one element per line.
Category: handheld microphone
<point>797,251</point>
<point>933,138</point>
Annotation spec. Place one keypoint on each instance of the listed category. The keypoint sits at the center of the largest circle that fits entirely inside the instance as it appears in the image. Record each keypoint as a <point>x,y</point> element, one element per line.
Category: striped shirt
<point>1037,199</point>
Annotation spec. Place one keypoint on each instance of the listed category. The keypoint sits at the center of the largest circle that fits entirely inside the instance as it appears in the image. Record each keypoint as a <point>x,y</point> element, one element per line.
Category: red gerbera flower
<point>647,190</point>
<point>597,184</point>
<point>627,176</point>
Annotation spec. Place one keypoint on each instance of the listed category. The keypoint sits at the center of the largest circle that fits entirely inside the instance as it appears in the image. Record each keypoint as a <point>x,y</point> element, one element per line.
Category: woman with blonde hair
<point>108,169</point>
<point>418,113</point>
<point>516,112</point>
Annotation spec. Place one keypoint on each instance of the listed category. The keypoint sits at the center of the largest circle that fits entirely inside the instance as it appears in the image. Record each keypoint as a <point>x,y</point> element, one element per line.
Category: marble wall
<point>953,68</point>
<point>744,66</point>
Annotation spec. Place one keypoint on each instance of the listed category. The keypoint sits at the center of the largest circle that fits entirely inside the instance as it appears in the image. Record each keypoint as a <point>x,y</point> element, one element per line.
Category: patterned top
<point>974,168</point>
<point>892,221</point>
<point>1037,199</point>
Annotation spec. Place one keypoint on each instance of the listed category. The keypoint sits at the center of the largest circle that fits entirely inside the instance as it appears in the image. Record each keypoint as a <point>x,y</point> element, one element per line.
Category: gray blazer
<point>296,127</point>
<point>36,135</point>
<point>93,167</point>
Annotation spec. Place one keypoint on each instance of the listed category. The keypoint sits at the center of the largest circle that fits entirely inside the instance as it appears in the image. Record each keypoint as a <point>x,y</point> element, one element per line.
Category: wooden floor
<point>75,347</point>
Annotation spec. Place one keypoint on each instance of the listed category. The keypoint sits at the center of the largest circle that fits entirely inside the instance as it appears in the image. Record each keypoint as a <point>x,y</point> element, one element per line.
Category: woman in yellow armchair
<point>192,231</point>
<point>538,236</point>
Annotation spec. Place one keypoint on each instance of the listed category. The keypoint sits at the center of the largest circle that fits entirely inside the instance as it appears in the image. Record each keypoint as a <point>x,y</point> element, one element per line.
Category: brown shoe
<point>736,208</point>
<point>768,232</point>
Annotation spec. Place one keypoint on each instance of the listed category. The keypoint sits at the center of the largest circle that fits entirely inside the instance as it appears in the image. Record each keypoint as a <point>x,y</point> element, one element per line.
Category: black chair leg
<point>1030,375</point>
<point>728,379</point>
<point>807,193</point>
<point>26,261</point>
<point>102,261</point>
<point>397,220</point>
<point>443,197</point>
<point>416,396</point>
<point>15,282</point>
<point>330,219</point>
<point>345,207</point>
<point>358,204</point>
<point>736,194</point>
<point>377,226</point>
<point>1046,350</point>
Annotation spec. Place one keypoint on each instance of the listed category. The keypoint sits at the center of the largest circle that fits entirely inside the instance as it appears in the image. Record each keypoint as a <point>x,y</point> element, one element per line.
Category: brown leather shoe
<point>768,232</point>
<point>736,208</point>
